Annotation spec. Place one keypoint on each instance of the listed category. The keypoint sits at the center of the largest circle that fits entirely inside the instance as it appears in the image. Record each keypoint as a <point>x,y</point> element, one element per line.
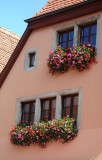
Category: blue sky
<point>14,12</point>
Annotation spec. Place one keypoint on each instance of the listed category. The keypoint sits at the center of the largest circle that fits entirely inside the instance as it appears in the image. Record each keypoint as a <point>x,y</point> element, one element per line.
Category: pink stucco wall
<point>88,144</point>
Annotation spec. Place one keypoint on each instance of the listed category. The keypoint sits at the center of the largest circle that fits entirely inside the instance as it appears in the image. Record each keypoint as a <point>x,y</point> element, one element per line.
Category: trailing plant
<point>59,60</point>
<point>77,58</point>
<point>40,133</point>
<point>82,56</point>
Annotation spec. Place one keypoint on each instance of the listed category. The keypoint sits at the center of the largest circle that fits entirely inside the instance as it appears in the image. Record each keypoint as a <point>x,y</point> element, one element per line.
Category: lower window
<point>48,107</point>
<point>70,106</point>
<point>28,111</point>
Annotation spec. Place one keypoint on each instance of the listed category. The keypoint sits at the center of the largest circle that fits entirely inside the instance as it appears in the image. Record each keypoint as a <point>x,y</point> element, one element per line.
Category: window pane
<point>63,45</point>
<point>45,110</point>
<point>85,39</point>
<point>32,107</point>
<point>66,106</point>
<point>46,105</point>
<point>93,40</point>
<point>75,100</point>
<point>70,44</point>
<point>45,115</point>
<point>26,117</point>
<point>75,112</point>
<point>93,29</point>
<point>52,114</point>
<point>48,109</point>
<point>64,37</point>
<point>26,108</point>
<point>32,117</point>
<point>71,35</point>
<point>75,106</point>
<point>85,31</point>
<point>53,104</point>
<point>70,106</point>
<point>32,59</point>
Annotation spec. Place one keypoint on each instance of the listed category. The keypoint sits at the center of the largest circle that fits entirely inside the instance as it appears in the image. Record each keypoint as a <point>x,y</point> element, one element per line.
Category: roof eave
<point>58,11</point>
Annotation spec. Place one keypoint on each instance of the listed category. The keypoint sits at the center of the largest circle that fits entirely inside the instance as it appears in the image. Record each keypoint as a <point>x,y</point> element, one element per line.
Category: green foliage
<point>79,58</point>
<point>41,133</point>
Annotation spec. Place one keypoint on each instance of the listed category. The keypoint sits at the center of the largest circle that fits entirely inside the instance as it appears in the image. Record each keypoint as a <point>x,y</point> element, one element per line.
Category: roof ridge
<point>14,35</point>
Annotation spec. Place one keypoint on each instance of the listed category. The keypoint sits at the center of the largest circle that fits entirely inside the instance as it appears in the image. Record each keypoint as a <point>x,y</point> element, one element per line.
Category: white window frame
<point>27,59</point>
<point>76,25</point>
<point>37,98</point>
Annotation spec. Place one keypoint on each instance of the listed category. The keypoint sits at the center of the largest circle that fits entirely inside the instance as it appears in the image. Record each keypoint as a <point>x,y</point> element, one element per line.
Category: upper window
<point>48,107</point>
<point>28,111</point>
<point>88,34</point>
<point>70,106</point>
<point>31,59</point>
<point>66,38</point>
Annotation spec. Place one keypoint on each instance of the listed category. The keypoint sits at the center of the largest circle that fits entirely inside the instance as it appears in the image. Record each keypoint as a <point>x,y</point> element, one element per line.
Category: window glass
<point>93,29</point>
<point>85,39</point>
<point>70,106</point>
<point>26,108</point>
<point>63,45</point>
<point>70,44</point>
<point>93,40</point>
<point>28,111</point>
<point>66,38</point>
<point>71,35</point>
<point>48,109</point>
<point>88,34</point>
<point>85,31</point>
<point>53,108</point>
<point>32,59</point>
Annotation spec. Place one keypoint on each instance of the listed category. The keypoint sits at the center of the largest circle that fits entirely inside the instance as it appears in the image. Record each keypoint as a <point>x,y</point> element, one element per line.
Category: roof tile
<point>8,42</point>
<point>53,5</point>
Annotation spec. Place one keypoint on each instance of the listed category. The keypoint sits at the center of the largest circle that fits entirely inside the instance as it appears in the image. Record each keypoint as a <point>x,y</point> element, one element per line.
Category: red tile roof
<point>8,42</point>
<point>53,5</point>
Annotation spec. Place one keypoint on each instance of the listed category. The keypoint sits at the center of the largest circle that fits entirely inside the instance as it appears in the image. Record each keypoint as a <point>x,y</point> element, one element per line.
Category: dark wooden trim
<point>66,14</point>
<point>59,11</point>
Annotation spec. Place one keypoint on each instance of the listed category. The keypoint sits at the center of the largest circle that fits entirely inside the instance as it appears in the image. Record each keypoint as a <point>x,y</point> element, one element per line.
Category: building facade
<point>26,81</point>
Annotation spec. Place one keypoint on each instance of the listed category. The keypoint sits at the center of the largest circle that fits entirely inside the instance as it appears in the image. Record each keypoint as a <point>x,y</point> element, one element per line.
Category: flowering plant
<point>79,58</point>
<point>42,132</point>
<point>59,60</point>
<point>82,56</point>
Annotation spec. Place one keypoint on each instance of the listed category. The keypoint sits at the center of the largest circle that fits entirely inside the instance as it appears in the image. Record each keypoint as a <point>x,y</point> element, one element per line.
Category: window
<point>56,105</point>
<point>31,59</point>
<point>66,38</point>
<point>28,111</point>
<point>88,34</point>
<point>48,107</point>
<point>70,106</point>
